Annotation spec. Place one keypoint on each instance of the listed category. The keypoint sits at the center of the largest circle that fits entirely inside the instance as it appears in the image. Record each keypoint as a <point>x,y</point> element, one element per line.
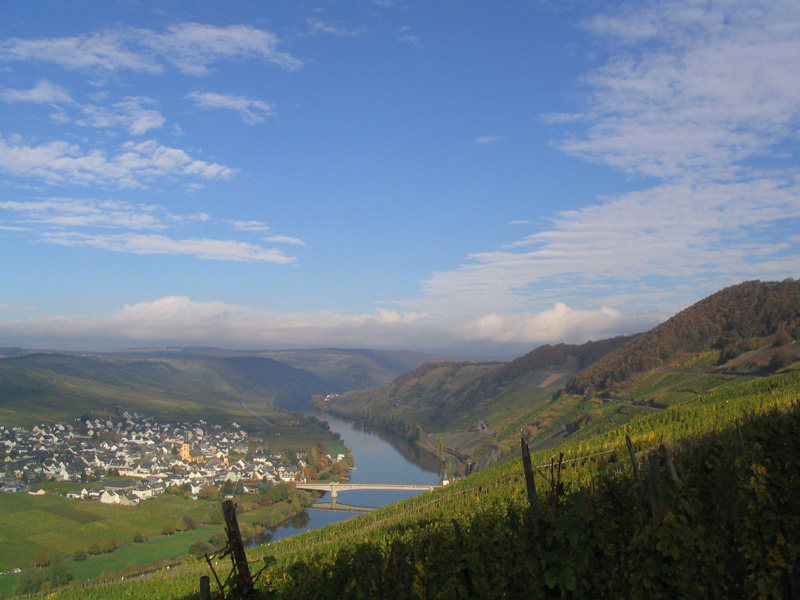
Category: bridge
<point>335,487</point>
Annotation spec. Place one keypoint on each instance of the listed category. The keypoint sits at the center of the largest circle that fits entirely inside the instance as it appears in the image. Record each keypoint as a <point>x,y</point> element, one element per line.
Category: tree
<point>209,492</point>
<point>185,523</point>
<point>216,518</point>
<point>138,538</point>
<point>94,549</point>
<point>41,560</point>
<point>169,529</point>
<point>79,555</point>
<point>110,545</point>
<point>275,494</point>
<point>782,337</point>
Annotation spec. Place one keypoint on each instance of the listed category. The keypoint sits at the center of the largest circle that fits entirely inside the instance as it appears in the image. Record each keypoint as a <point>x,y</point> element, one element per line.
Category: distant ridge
<point>731,321</point>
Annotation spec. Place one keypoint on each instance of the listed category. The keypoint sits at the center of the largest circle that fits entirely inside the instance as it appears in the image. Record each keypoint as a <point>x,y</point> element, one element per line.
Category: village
<point>132,457</point>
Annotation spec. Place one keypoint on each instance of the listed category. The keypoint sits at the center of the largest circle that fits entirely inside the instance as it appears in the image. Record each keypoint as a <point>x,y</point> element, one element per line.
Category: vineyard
<point>703,505</point>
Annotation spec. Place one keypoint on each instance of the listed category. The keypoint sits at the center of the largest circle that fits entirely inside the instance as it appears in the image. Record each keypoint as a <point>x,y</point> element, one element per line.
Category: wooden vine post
<point>242,580</point>
<point>533,498</point>
<point>634,460</point>
<point>654,477</point>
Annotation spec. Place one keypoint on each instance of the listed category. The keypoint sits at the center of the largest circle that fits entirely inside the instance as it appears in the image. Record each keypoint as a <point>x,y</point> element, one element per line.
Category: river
<point>376,460</point>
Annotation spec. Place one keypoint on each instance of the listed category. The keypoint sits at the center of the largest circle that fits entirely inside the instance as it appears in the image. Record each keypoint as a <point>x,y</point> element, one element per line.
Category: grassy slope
<point>488,495</point>
<point>58,527</point>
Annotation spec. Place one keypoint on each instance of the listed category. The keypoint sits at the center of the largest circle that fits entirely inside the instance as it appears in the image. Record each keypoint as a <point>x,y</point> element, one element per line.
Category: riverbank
<point>408,438</point>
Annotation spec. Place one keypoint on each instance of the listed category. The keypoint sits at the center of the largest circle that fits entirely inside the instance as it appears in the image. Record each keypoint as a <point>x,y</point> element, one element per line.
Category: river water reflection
<point>376,461</point>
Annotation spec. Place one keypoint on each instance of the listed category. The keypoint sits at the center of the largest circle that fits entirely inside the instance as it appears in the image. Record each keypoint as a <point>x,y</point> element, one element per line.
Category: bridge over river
<point>335,487</point>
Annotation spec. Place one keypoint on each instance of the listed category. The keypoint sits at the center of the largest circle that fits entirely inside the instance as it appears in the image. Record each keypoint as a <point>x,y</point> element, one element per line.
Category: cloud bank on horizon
<point>384,175</point>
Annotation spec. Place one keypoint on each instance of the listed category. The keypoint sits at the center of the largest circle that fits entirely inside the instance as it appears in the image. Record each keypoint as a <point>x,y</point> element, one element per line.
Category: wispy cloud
<point>204,248</point>
<point>691,96</point>
<point>256,226</point>
<point>43,92</point>
<point>487,140</point>
<point>718,88</point>
<point>284,239</point>
<point>133,165</point>
<point>251,111</point>
<point>94,212</point>
<point>315,26</point>
<point>84,222</point>
<point>404,34</point>
<point>103,51</point>
<point>192,48</point>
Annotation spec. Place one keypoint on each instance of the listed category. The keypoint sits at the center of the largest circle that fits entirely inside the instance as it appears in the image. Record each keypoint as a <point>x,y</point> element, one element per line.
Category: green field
<point>57,527</point>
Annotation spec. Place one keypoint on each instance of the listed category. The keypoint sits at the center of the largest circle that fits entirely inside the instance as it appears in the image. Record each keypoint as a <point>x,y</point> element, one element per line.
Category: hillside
<point>176,383</point>
<point>679,483</point>
<point>741,319</point>
<point>341,369</point>
<point>562,391</point>
<point>704,508</point>
<point>462,407</point>
<point>57,386</point>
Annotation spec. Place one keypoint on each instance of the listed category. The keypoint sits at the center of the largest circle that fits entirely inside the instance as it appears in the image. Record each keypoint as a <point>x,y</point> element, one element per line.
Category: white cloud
<point>284,239</point>
<point>177,319</point>
<point>204,248</point>
<point>134,165</point>
<point>256,226</point>
<point>105,51</point>
<point>190,47</point>
<point>180,320</point>
<point>131,113</point>
<point>251,111</point>
<point>193,47</point>
<point>558,324</point>
<point>43,92</point>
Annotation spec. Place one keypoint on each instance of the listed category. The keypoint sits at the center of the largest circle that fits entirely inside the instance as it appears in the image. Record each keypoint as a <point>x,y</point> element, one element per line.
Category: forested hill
<point>730,323</point>
<point>547,358</point>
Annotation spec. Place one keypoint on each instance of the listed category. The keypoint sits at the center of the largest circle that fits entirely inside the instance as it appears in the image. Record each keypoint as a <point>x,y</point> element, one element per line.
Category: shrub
<point>59,575</point>
<point>199,548</point>
<point>30,582</point>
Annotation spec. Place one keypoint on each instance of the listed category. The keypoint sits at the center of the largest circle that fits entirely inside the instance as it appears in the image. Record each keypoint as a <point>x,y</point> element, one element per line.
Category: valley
<point>714,389</point>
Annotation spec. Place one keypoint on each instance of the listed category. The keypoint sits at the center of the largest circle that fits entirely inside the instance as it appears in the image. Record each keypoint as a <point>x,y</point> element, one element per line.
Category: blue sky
<point>473,177</point>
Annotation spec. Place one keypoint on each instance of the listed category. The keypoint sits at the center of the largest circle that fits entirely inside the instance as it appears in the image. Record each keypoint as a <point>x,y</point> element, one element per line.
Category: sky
<point>464,176</point>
